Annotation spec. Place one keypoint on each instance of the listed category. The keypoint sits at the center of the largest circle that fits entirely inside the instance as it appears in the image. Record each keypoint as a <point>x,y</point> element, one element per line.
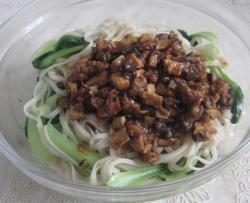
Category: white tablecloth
<point>233,185</point>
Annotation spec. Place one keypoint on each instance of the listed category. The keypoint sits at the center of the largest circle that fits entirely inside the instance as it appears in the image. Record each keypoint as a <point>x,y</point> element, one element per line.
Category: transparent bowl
<point>43,20</point>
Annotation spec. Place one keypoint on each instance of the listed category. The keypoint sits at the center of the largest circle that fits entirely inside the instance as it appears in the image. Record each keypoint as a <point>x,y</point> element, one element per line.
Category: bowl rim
<point>33,172</point>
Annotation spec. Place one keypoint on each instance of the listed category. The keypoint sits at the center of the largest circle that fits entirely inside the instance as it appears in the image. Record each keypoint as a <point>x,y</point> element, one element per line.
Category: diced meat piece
<point>187,121</point>
<point>138,63</point>
<point>113,103</point>
<point>100,80</point>
<point>137,143</point>
<point>204,129</point>
<point>134,128</point>
<point>119,82</point>
<point>63,102</point>
<point>193,69</point>
<point>154,59</point>
<point>164,130</point>
<point>72,88</point>
<point>162,41</point>
<point>138,86</point>
<point>147,148</point>
<point>152,76</point>
<point>188,95</point>
<point>126,45</point>
<point>118,122</point>
<point>75,114</point>
<point>100,66</point>
<point>151,88</point>
<point>198,137</point>
<point>103,93</point>
<point>173,67</point>
<point>117,63</point>
<point>165,142</point>
<point>161,89</point>
<point>148,121</point>
<point>102,113</point>
<point>214,113</point>
<point>151,157</point>
<point>162,113</point>
<point>119,138</point>
<point>144,55</point>
<point>93,90</point>
<point>146,42</point>
<point>177,49</point>
<point>152,99</point>
<point>196,111</point>
<point>221,88</point>
<point>103,50</point>
<point>130,105</point>
<point>96,102</point>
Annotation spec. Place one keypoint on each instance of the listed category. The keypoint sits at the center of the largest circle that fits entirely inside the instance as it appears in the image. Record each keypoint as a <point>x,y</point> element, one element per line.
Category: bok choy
<point>66,46</point>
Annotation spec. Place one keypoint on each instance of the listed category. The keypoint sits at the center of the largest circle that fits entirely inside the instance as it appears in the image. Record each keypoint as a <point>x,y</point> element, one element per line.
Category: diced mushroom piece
<point>119,82</point>
<point>152,99</point>
<point>151,88</point>
<point>63,102</point>
<point>162,113</point>
<point>100,80</point>
<point>136,61</point>
<point>137,143</point>
<point>119,138</point>
<point>151,157</point>
<point>75,114</point>
<point>154,59</point>
<point>117,63</point>
<point>72,88</point>
<point>118,122</point>
<point>173,67</point>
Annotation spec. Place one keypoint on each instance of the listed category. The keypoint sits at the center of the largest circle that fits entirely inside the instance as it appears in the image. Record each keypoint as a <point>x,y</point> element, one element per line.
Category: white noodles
<point>97,136</point>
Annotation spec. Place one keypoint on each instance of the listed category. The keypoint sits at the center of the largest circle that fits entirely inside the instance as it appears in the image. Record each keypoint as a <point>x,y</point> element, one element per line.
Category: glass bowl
<point>43,20</point>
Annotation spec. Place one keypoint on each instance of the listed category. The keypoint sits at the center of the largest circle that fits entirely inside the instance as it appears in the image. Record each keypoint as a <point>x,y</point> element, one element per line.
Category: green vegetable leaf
<point>45,48</point>
<point>66,46</point>
<point>137,176</point>
<point>67,146</point>
<point>68,41</point>
<point>50,58</point>
<point>36,144</point>
<point>209,36</point>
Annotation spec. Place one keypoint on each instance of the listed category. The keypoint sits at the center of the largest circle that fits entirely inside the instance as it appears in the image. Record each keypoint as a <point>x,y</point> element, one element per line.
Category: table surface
<point>17,188</point>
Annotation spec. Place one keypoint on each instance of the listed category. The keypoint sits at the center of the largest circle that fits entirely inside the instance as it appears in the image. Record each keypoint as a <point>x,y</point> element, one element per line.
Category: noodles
<point>90,132</point>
